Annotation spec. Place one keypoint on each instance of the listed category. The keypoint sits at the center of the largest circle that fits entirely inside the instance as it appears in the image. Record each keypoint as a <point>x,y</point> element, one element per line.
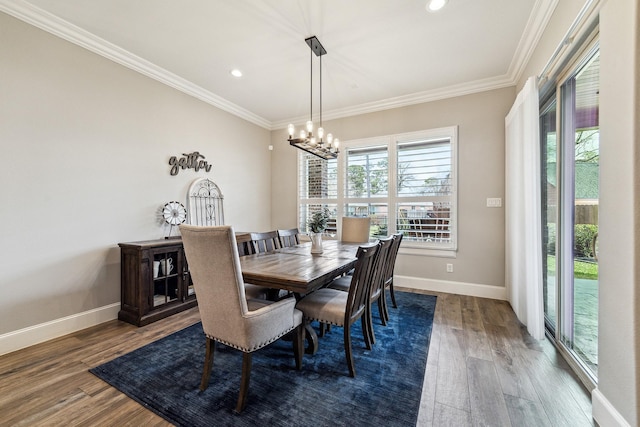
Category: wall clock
<point>174,213</point>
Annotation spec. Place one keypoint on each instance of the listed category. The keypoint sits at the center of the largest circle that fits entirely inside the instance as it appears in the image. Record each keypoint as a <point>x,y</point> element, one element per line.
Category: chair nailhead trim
<point>254,348</point>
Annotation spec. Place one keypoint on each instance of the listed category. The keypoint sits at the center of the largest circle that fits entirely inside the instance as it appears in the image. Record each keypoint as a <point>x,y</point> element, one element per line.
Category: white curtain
<point>523,210</point>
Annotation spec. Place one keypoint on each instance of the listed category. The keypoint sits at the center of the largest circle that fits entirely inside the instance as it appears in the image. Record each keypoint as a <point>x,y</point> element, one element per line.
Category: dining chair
<point>288,237</point>
<point>227,316</point>
<point>388,279</point>
<point>376,287</point>
<point>245,247</point>
<point>335,307</point>
<point>265,242</point>
<point>355,229</point>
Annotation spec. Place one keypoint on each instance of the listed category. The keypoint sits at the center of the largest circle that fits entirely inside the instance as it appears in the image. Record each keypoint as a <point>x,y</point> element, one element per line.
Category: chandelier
<point>306,140</point>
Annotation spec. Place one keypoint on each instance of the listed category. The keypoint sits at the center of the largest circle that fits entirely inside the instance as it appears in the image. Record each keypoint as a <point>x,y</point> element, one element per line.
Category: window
<point>405,183</point>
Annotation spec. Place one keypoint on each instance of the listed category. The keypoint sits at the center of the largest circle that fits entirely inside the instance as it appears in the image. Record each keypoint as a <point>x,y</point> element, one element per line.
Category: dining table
<point>297,270</point>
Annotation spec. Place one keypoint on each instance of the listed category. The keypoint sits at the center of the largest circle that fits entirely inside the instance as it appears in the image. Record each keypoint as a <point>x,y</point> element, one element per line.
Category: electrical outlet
<point>449,268</point>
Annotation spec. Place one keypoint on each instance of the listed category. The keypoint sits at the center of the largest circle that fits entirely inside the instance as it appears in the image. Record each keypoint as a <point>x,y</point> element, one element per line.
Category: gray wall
<point>85,144</point>
<point>480,117</point>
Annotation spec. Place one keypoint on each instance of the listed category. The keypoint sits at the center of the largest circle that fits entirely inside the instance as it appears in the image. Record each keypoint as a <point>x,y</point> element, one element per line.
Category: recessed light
<point>435,5</point>
<point>236,73</point>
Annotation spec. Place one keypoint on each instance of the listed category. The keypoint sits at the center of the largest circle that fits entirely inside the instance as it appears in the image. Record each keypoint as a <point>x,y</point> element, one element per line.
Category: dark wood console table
<point>155,281</point>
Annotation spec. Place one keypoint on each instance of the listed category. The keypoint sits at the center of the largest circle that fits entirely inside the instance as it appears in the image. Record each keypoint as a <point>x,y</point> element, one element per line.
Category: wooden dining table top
<point>295,269</point>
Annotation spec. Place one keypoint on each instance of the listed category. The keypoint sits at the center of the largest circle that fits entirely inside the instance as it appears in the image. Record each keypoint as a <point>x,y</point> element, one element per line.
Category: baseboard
<point>36,334</point>
<point>605,414</point>
<point>460,288</point>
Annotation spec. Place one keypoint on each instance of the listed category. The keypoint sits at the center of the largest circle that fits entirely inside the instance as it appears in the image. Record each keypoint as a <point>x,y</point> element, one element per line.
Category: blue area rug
<point>164,376</point>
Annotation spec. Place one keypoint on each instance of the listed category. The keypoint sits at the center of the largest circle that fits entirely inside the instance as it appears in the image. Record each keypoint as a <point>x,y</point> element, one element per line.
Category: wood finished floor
<point>482,369</point>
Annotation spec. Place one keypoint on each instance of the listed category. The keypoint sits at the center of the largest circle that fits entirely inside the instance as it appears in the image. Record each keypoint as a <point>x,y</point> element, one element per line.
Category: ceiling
<point>380,53</point>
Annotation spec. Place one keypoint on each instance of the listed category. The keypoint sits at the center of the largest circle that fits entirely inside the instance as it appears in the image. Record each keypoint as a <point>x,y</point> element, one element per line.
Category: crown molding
<point>65,30</point>
<point>407,100</point>
<point>536,25</point>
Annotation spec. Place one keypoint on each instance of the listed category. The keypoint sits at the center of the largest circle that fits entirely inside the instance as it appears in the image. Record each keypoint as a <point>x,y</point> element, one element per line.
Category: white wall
<point>85,146</point>
<point>619,230</point>
<point>479,264</point>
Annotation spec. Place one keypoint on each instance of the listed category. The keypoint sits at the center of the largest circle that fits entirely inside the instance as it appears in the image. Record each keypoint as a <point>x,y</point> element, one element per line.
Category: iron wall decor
<point>189,161</point>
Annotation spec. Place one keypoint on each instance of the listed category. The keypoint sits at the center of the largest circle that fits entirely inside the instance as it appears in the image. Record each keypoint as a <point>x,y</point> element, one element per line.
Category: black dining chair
<point>376,291</point>
<point>288,237</point>
<point>245,247</point>
<point>388,275</point>
<point>335,307</point>
<point>265,242</point>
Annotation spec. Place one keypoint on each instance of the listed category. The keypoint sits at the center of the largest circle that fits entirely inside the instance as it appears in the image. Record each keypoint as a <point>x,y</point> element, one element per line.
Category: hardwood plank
<point>434,345</point>
<point>428,399</point>
<point>447,416</point>
<point>490,314</point>
<point>452,387</point>
<point>488,406</point>
<point>452,312</point>
<point>525,413</point>
<point>514,378</point>
<point>476,338</point>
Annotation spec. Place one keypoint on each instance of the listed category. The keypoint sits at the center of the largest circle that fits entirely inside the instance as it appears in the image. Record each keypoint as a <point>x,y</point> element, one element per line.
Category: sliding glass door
<point>571,151</point>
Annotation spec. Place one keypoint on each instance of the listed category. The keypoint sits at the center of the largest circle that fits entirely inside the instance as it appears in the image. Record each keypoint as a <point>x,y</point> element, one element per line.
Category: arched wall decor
<point>205,203</point>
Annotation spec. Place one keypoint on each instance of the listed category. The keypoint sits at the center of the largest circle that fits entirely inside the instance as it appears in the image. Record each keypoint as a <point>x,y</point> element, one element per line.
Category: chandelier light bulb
<point>320,133</point>
<point>330,138</point>
<point>312,141</point>
<point>336,143</point>
<point>303,134</point>
<point>310,126</point>
<point>291,128</point>
<point>435,5</point>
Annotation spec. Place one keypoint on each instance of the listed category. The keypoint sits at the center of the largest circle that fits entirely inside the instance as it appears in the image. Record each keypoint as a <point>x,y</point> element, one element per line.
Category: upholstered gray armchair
<point>227,316</point>
<point>355,229</point>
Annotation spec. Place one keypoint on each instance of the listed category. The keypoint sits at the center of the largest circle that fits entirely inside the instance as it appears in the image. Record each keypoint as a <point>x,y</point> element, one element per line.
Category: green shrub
<point>583,240</point>
<point>551,242</point>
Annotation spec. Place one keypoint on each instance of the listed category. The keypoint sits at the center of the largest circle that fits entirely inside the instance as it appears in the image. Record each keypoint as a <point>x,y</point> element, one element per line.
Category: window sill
<point>422,251</point>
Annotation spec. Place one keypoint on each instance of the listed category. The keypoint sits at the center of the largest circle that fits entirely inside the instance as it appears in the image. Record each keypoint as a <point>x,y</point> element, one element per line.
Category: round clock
<point>174,213</point>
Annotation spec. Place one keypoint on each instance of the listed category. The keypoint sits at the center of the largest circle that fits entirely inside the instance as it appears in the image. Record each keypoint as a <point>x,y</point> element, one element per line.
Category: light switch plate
<point>494,202</point>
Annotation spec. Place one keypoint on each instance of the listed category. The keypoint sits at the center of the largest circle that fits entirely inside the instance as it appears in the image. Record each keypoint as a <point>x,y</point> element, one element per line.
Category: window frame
<point>393,199</point>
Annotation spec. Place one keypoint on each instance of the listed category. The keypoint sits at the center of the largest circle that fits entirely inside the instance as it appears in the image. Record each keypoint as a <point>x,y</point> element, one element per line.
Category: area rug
<point>164,376</point>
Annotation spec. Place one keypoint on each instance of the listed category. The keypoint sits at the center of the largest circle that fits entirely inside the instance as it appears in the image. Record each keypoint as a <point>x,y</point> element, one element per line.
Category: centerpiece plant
<point>317,224</point>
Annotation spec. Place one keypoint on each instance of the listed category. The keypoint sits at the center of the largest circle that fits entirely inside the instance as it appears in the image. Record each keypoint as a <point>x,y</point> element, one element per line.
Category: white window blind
<point>425,191</point>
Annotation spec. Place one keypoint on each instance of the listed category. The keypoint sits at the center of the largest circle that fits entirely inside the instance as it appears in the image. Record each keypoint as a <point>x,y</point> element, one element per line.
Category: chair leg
<point>367,322</point>
<point>385,306</point>
<point>393,296</point>
<point>208,363</point>
<point>298,345</point>
<point>381,310</point>
<point>347,349</point>
<point>322,329</point>
<point>244,382</point>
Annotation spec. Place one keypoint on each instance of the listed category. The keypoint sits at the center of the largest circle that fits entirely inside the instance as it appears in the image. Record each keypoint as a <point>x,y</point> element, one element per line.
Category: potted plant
<point>317,224</point>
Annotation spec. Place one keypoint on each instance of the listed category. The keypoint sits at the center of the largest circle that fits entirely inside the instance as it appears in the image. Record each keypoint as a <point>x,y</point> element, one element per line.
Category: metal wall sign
<point>189,161</point>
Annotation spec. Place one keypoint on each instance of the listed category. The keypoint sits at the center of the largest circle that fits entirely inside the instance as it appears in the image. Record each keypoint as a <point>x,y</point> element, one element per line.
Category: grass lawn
<point>581,270</point>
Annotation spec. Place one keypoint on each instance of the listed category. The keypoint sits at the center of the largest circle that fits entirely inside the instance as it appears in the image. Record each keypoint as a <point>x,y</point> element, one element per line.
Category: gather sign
<point>189,161</point>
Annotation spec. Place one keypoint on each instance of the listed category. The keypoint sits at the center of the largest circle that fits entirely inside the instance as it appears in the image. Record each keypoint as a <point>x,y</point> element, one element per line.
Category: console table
<point>155,281</point>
